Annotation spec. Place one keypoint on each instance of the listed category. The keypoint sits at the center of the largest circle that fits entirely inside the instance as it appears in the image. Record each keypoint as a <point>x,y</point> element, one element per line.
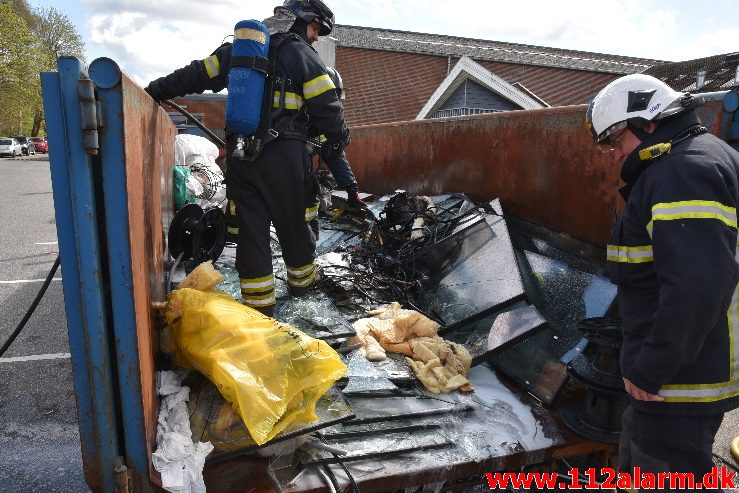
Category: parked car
<point>26,144</point>
<point>41,144</point>
<point>10,147</point>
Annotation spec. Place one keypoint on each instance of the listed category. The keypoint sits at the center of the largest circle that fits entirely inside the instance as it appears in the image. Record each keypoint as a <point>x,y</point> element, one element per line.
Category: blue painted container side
<point>106,76</point>
<point>84,282</point>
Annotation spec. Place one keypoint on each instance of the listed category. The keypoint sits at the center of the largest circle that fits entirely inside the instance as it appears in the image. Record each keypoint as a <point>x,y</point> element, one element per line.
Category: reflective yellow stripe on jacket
<point>212,66</point>
<point>317,86</point>
<point>292,101</point>
<point>630,255</point>
<point>692,209</point>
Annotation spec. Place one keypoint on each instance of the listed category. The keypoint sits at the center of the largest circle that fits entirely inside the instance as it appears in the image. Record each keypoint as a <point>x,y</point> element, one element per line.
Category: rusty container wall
<point>542,164</point>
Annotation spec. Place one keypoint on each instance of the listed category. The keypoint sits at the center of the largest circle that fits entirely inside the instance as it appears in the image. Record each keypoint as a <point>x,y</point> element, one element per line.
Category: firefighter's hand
<point>354,200</point>
<point>155,91</point>
<point>639,394</point>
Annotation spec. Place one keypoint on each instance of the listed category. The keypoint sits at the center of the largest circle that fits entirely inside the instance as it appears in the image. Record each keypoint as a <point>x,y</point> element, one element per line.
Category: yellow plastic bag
<point>271,373</point>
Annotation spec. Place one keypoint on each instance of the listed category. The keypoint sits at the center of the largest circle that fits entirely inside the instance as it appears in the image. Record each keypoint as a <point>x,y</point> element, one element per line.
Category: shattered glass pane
<point>225,265</point>
<point>317,318</point>
<point>374,446</point>
<point>471,272</point>
<point>564,296</point>
<point>364,376</point>
<point>497,332</point>
<point>370,409</point>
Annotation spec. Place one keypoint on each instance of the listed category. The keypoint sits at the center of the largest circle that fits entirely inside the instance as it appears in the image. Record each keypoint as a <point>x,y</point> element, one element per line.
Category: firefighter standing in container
<point>272,187</point>
<point>673,255</point>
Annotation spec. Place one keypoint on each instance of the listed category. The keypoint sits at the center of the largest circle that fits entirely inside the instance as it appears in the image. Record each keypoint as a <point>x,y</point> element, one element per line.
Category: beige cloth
<point>442,366</point>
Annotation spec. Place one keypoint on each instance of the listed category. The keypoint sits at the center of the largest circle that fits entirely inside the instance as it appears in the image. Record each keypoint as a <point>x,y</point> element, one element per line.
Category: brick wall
<point>385,86</point>
<point>214,112</point>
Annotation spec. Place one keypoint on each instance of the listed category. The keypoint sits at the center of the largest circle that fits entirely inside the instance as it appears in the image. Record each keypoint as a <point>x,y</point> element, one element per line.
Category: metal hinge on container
<point>89,115</point>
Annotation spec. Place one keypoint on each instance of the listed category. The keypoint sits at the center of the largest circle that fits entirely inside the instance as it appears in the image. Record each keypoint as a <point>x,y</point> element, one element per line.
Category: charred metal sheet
<point>542,164</point>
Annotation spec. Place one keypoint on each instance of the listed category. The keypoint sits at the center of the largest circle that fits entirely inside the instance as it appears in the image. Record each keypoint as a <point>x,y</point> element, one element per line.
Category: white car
<point>10,147</point>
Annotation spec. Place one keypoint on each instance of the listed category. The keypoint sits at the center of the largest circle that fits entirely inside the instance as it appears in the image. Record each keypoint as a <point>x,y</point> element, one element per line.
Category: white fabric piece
<point>179,461</point>
<point>205,183</point>
<point>189,145</point>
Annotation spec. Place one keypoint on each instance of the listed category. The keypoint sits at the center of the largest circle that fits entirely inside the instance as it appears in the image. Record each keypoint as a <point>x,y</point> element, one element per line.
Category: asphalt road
<point>39,438</point>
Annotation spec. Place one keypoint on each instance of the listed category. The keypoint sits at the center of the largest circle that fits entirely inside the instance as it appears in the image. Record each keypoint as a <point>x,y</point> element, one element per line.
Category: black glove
<point>353,199</point>
<point>155,91</point>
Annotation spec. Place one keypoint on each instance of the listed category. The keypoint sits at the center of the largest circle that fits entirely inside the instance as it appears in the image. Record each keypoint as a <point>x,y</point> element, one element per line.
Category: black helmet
<point>336,79</point>
<point>312,11</point>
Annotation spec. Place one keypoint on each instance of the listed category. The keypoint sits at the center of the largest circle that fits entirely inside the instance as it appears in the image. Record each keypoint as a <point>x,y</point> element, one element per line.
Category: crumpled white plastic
<point>205,182</point>
<point>177,459</point>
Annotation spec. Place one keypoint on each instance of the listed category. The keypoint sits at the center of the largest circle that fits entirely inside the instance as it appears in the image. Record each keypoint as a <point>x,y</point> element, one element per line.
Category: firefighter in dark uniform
<point>272,187</point>
<point>337,163</point>
<point>673,255</point>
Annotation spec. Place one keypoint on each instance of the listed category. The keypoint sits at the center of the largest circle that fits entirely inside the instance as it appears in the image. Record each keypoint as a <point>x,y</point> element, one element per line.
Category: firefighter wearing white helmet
<point>673,256</point>
<point>637,98</point>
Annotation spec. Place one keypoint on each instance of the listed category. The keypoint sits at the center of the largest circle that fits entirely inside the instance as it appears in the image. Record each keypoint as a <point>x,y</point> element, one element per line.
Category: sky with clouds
<point>150,38</point>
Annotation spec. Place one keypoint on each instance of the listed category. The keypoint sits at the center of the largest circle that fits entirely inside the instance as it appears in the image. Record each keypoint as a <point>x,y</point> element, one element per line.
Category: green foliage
<point>30,42</point>
<point>18,79</point>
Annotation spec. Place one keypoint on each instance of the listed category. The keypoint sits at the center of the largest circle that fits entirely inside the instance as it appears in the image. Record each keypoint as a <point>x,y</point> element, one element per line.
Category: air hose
<point>54,268</point>
<point>32,308</point>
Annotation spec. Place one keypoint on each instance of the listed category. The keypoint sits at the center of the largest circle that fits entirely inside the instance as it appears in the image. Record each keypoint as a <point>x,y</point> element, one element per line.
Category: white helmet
<point>637,96</point>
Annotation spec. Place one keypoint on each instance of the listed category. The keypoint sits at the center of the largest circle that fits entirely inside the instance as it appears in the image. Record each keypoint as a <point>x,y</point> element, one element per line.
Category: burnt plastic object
<point>197,234</point>
<point>598,417</point>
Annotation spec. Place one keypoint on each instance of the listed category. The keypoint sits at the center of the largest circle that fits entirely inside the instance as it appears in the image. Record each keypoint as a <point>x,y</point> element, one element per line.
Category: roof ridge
<point>626,60</point>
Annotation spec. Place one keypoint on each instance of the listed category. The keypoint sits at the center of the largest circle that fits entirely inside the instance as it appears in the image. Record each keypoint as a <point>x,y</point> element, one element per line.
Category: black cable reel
<point>197,234</point>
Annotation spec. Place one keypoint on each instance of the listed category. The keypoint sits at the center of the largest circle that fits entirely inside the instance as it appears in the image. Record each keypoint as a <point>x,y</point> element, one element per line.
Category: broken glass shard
<point>473,271</point>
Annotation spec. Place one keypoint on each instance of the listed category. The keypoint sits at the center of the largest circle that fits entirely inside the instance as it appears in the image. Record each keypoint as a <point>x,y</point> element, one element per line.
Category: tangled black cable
<point>386,266</point>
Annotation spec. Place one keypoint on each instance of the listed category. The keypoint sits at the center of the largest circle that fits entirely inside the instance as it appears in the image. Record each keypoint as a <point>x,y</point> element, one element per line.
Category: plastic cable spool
<point>196,234</point>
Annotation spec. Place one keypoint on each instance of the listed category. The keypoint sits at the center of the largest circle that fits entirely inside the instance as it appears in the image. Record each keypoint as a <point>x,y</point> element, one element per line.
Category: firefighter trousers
<point>661,443</point>
<point>271,189</point>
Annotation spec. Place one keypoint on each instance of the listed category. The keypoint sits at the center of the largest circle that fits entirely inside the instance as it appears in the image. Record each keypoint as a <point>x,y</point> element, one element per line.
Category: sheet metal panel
<point>542,164</point>
<point>74,183</point>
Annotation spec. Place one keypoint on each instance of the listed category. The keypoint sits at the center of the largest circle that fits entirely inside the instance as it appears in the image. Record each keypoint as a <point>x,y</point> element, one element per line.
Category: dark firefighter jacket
<point>309,91</point>
<point>673,255</point>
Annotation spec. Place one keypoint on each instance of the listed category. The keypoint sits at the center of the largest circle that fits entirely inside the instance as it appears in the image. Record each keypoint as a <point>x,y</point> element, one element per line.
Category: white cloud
<point>151,38</point>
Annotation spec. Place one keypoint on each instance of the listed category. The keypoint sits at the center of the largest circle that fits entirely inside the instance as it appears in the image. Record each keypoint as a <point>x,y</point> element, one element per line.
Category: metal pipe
<point>710,96</point>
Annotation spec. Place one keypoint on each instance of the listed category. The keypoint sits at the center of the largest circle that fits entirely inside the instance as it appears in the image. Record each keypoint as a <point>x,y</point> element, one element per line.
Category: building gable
<point>472,89</point>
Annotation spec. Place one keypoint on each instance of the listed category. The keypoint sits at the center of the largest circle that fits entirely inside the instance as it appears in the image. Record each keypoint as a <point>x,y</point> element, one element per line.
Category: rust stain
<point>149,153</point>
<point>542,164</point>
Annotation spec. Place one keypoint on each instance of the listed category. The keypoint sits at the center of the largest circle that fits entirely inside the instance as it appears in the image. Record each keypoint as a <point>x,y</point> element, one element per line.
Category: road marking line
<point>37,357</point>
<point>48,243</point>
<point>21,281</point>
